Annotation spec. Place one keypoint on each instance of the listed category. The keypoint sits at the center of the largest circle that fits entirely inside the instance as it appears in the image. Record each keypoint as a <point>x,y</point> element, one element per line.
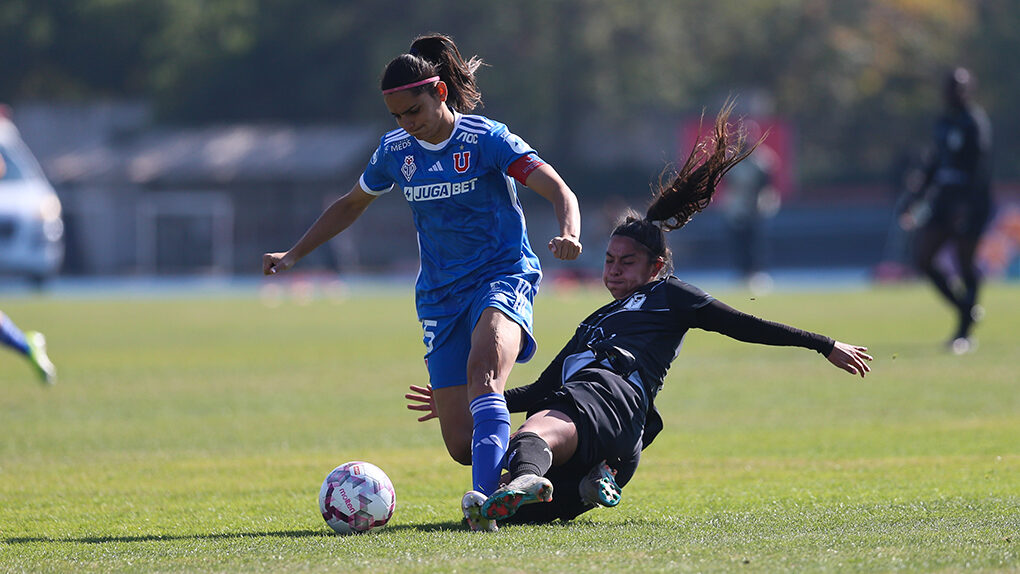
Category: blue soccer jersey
<point>469,219</point>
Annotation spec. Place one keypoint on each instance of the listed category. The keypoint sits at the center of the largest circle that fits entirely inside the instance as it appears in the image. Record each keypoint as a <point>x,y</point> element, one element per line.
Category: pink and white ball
<point>357,497</point>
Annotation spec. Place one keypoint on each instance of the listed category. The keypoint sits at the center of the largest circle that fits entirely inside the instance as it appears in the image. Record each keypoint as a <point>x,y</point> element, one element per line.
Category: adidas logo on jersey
<point>436,167</point>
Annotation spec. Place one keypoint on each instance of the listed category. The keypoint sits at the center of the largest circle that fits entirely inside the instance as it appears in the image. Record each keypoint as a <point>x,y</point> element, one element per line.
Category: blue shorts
<point>448,339</point>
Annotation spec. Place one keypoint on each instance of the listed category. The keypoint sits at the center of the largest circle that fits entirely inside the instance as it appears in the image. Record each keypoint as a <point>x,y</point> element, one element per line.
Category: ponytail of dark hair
<point>693,185</point>
<point>675,202</point>
<point>437,55</point>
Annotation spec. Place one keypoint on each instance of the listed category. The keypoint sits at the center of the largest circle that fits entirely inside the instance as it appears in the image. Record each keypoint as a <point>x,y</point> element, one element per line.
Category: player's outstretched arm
<point>337,217</point>
<point>850,358</point>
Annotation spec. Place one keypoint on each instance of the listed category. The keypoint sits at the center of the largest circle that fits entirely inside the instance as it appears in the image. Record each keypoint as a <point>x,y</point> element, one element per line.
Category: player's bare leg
<point>454,421</point>
<point>495,345</point>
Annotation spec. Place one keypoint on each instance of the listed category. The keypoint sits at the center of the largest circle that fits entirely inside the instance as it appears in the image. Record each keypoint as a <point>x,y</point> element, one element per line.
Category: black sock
<point>528,453</point>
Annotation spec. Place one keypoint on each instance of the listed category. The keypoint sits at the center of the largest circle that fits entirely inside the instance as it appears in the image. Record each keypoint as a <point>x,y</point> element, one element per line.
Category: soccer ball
<point>357,497</point>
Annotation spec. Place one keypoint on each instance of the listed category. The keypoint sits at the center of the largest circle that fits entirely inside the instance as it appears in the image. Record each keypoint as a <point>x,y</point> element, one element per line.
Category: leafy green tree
<point>857,79</point>
<point>57,49</point>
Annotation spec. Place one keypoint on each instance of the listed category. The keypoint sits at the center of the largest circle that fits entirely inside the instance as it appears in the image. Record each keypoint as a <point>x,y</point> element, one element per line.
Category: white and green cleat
<point>471,504</point>
<point>525,489</point>
<point>40,360</point>
<point>599,487</point>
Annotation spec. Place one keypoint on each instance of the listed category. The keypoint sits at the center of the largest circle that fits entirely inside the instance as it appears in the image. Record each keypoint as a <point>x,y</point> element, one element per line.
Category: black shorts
<point>961,211</point>
<point>609,413</point>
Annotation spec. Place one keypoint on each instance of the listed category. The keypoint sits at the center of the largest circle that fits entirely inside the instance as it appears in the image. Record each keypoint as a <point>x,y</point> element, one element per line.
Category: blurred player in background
<point>750,199</point>
<point>591,412</point>
<point>479,275</point>
<point>951,203</point>
<point>31,344</point>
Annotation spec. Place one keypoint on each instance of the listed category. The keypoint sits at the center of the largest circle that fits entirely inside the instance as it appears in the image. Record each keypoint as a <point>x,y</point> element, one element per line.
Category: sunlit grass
<point>192,435</point>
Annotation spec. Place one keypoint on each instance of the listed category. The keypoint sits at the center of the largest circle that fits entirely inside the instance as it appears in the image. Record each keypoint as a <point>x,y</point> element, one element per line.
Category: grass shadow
<point>447,526</point>
<point>431,527</point>
<point>166,537</point>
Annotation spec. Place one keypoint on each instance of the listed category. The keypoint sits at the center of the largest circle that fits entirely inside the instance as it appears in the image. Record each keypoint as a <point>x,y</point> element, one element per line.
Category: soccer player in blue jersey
<point>591,412</point>
<point>31,344</point>
<point>459,174</point>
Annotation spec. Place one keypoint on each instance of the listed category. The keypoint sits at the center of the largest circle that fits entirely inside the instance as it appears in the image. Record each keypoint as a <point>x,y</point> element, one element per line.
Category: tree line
<point>859,80</point>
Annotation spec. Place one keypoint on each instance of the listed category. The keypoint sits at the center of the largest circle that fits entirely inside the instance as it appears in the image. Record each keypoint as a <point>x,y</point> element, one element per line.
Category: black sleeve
<point>721,318</point>
<point>929,165</point>
<point>520,399</point>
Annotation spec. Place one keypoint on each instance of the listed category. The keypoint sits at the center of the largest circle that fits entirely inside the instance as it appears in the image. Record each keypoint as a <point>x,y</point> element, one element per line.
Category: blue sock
<point>489,441</point>
<point>11,336</point>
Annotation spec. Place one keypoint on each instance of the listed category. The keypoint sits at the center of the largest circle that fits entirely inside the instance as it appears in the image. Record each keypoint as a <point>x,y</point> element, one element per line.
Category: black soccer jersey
<point>963,140</point>
<point>650,325</point>
<point>643,334</point>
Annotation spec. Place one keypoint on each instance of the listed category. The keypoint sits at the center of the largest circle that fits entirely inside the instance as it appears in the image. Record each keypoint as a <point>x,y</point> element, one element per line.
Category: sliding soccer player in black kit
<point>592,412</point>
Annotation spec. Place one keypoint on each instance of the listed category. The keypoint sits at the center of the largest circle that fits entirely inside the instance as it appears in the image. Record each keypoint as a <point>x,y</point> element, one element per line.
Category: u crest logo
<point>461,161</point>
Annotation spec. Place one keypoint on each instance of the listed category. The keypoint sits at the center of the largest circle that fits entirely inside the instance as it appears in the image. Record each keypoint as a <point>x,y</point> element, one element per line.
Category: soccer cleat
<point>977,313</point>
<point>599,487</point>
<point>525,489</point>
<point>471,504</point>
<point>37,354</point>
<point>962,345</point>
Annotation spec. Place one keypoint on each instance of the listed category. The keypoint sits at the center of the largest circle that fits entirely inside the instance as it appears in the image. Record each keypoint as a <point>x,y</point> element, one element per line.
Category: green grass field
<point>191,434</point>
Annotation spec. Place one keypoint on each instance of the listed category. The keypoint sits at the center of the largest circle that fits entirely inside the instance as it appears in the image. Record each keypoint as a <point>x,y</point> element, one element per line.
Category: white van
<point>31,228</point>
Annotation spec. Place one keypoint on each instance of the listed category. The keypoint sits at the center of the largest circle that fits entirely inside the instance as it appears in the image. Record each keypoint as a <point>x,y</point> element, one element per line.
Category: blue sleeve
<point>502,147</point>
<point>375,179</point>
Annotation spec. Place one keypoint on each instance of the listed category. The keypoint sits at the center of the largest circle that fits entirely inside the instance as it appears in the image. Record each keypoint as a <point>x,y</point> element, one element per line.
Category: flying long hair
<point>436,55</point>
<point>683,192</point>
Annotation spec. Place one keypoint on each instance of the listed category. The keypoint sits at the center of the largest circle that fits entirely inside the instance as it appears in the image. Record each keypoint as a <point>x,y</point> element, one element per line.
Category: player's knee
<point>485,382</point>
<point>483,376</point>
